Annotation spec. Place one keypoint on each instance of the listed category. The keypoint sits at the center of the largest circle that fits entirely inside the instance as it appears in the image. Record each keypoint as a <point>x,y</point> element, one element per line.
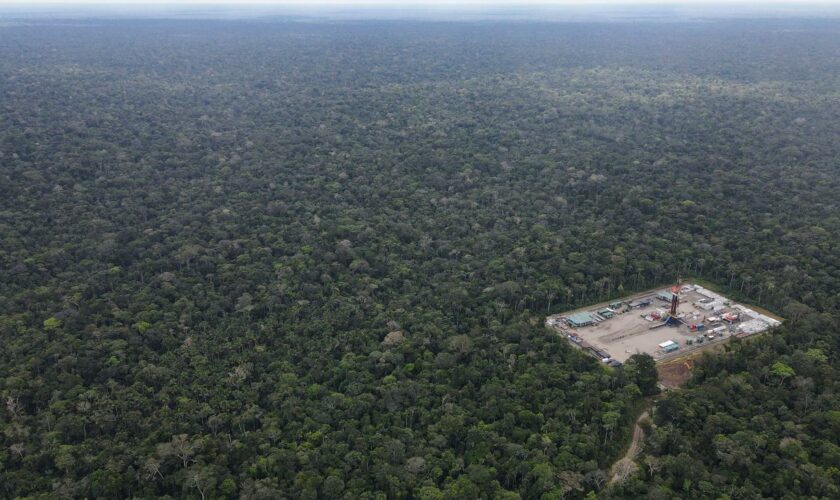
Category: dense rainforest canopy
<point>268,259</point>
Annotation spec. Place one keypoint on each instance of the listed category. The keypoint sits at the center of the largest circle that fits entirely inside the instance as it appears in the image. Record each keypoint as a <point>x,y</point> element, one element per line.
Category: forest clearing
<point>664,323</point>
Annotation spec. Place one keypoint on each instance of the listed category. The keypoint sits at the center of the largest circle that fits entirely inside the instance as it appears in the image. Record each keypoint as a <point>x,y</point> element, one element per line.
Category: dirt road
<point>625,465</point>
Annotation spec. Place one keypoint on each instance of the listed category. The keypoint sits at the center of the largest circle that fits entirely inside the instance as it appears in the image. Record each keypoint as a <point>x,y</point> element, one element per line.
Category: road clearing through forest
<point>625,466</point>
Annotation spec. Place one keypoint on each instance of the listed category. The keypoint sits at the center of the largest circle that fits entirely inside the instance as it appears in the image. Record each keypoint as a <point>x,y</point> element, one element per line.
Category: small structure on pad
<point>638,304</point>
<point>605,312</point>
<point>669,346</point>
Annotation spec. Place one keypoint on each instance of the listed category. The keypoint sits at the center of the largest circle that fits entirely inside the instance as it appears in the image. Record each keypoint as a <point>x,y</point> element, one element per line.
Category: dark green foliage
<point>311,260</point>
<point>641,370</point>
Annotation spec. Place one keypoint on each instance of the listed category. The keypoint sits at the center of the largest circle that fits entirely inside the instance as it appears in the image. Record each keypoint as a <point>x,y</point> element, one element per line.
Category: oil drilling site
<point>665,323</point>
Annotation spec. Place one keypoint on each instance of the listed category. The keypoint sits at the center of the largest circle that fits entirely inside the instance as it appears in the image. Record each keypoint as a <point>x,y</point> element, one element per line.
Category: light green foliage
<point>782,370</point>
<point>52,323</point>
<point>142,326</point>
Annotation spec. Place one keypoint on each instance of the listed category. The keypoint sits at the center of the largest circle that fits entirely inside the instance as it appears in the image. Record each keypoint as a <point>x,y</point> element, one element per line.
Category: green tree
<point>641,369</point>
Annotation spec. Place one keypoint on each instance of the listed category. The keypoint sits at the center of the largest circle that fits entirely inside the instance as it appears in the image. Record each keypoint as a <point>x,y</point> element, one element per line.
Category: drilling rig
<point>673,320</point>
<point>675,300</point>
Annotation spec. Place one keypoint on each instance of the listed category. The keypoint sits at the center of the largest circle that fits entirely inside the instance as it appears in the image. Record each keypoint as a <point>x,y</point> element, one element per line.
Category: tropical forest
<point>312,258</point>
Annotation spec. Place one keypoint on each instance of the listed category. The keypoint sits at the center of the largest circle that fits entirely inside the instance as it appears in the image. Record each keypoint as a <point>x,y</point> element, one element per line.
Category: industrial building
<point>580,320</point>
<point>638,304</point>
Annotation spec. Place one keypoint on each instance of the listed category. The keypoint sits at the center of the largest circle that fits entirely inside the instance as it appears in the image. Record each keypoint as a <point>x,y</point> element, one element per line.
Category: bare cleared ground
<point>673,374</point>
<point>629,333</point>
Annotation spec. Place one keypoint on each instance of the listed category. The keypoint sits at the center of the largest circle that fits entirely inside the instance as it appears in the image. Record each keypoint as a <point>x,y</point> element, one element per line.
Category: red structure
<point>675,300</point>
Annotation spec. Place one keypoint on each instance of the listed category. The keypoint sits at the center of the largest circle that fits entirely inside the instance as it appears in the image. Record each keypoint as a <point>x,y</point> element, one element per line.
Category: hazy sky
<point>416,3</point>
<point>391,7</point>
